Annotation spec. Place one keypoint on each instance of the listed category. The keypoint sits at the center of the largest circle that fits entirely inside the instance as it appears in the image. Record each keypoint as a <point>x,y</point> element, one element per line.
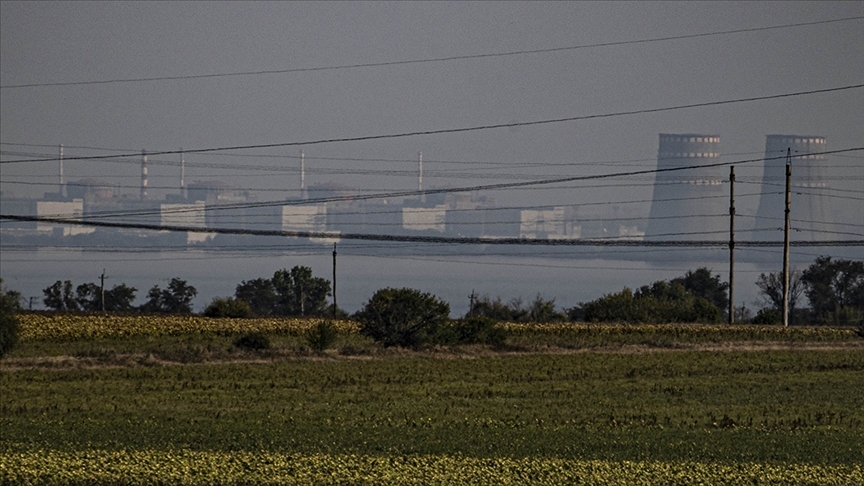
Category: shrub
<point>768,315</point>
<point>9,326</point>
<point>476,330</point>
<point>403,317</point>
<point>846,316</point>
<point>321,336</point>
<point>227,307</point>
<point>253,340</point>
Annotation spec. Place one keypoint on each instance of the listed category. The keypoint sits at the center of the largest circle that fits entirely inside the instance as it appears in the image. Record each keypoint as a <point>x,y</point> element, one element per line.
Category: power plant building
<point>810,206</point>
<point>688,204</point>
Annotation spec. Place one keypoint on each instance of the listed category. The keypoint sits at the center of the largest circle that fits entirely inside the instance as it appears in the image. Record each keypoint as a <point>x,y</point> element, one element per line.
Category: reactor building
<point>810,206</point>
<point>688,204</point>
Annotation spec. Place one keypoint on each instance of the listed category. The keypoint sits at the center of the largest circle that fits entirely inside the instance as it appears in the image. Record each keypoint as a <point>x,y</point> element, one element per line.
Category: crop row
<point>84,326</point>
<point>37,326</point>
<point>183,467</point>
<point>688,332</point>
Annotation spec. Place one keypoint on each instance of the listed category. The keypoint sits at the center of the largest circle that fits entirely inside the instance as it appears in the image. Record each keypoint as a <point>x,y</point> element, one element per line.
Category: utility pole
<point>732,244</point>
<point>472,297</point>
<point>786,239</point>
<point>102,288</point>
<point>334,281</point>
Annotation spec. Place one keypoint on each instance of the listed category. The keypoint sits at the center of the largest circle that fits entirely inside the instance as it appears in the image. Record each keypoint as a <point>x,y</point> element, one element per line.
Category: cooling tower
<point>688,204</point>
<point>810,208</point>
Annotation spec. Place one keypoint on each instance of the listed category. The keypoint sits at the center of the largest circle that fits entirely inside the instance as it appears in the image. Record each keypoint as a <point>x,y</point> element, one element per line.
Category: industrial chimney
<point>143,175</point>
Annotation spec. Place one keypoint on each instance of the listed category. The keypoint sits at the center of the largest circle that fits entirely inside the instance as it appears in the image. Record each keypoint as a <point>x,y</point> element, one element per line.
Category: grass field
<point>662,413</point>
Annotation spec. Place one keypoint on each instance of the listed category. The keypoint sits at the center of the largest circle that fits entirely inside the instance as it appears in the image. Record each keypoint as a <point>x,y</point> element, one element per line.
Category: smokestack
<point>302,175</point>
<point>420,178</point>
<point>182,175</point>
<point>62,181</point>
<point>143,175</point>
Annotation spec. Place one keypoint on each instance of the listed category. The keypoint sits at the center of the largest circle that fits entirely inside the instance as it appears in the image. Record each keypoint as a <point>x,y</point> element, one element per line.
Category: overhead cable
<point>430,60</point>
<point>462,129</point>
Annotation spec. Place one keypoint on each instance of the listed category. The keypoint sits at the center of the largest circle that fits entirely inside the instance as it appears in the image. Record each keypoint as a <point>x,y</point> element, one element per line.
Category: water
<point>450,277</point>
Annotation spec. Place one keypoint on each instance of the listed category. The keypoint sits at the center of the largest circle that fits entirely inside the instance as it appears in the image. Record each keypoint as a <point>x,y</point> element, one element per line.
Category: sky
<point>63,42</point>
<point>327,95</point>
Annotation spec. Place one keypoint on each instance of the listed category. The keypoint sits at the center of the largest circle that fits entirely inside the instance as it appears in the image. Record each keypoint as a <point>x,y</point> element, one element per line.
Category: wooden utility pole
<point>102,288</point>
<point>334,281</point>
<point>472,298</point>
<point>786,238</point>
<point>731,244</point>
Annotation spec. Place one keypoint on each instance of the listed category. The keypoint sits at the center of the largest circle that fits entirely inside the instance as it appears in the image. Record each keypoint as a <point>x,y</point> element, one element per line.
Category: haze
<point>59,42</point>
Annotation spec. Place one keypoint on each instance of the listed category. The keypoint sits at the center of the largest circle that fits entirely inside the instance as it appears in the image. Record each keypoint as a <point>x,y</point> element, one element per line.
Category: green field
<point>606,415</point>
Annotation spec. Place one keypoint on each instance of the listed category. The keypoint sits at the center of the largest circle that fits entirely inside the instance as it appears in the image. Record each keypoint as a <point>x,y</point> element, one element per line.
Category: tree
<point>299,293</point>
<point>176,299</point>
<point>259,294</point>
<point>154,300</point>
<point>771,289</point>
<point>89,297</point>
<point>59,296</point>
<point>832,286</point>
<point>120,298</point>
<point>403,317</point>
<point>701,283</point>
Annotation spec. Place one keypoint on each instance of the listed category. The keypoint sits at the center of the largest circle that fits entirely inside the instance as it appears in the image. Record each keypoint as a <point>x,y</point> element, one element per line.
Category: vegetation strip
<point>45,326</point>
<point>184,467</point>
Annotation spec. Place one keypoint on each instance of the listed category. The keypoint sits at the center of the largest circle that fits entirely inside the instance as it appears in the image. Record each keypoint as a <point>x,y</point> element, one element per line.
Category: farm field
<point>671,412</point>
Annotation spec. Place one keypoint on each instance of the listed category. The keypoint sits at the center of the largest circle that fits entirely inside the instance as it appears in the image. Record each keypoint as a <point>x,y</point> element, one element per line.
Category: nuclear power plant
<point>810,208</point>
<point>688,204</point>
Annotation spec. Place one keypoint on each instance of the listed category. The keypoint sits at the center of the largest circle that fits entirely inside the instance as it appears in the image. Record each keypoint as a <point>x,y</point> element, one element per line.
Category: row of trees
<point>834,289</point>
<point>176,299</point>
<point>292,292</point>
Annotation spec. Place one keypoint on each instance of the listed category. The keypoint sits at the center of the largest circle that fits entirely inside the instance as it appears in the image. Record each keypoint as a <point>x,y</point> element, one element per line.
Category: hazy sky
<point>48,42</point>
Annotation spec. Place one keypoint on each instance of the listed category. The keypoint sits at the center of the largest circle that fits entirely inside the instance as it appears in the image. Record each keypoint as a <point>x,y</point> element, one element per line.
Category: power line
<point>428,239</point>
<point>430,60</point>
<point>463,129</point>
<point>452,190</point>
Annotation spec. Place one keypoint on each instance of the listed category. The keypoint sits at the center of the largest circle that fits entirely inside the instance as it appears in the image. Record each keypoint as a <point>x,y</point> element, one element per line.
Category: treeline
<point>834,290</point>
<point>292,292</point>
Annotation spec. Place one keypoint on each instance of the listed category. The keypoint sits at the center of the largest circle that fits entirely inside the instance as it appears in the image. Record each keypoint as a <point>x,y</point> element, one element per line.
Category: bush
<point>253,340</point>
<point>227,307</point>
<point>661,302</point>
<point>476,330</point>
<point>9,326</point>
<point>768,315</point>
<point>846,316</point>
<point>321,336</point>
<point>403,317</point>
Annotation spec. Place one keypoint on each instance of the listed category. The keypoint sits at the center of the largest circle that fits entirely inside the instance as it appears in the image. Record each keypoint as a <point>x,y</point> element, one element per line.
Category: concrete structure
<point>186,214</point>
<point>73,210</point>
<point>810,208</point>
<point>425,218</point>
<point>688,204</point>
<point>311,217</point>
<point>554,224</point>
